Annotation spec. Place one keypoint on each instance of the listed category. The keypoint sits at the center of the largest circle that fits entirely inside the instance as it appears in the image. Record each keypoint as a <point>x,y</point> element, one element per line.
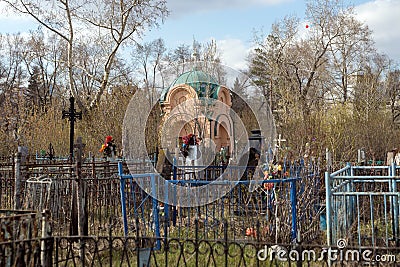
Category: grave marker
<point>71,115</point>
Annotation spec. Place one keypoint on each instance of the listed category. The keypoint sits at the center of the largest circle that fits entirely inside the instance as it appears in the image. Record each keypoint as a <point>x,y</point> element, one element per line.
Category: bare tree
<point>13,116</point>
<point>43,63</point>
<point>392,85</point>
<point>177,58</point>
<point>148,59</point>
<point>349,52</point>
<point>369,88</point>
<point>108,24</point>
<point>304,72</point>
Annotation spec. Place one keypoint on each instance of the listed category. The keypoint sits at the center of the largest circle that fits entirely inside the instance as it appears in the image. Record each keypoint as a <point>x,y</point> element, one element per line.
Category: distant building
<point>202,114</point>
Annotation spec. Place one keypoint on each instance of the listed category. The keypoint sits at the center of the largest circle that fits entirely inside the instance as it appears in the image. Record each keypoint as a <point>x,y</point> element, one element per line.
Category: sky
<point>233,24</point>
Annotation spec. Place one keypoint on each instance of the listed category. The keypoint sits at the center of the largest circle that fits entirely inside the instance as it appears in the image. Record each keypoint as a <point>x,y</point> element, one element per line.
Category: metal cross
<point>71,115</point>
<point>279,140</point>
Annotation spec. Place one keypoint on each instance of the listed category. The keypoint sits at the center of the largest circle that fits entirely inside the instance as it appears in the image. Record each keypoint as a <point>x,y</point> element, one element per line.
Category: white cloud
<point>4,13</point>
<point>7,13</point>
<point>11,22</point>
<point>382,17</point>
<point>234,53</point>
<point>180,8</point>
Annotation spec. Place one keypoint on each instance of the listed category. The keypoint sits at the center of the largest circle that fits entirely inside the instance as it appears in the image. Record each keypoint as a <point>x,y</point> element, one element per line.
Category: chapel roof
<point>204,84</point>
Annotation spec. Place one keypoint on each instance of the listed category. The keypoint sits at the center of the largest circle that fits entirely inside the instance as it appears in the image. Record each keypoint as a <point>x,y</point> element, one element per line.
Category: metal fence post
<point>226,245</point>
<point>110,241</point>
<point>166,204</point>
<point>174,211</point>
<point>395,204</point>
<point>80,193</point>
<point>17,189</point>
<point>155,210</point>
<point>46,249</point>
<point>137,242</point>
<point>293,200</point>
<point>123,200</point>
<point>328,208</point>
<point>196,240</point>
<point>174,168</point>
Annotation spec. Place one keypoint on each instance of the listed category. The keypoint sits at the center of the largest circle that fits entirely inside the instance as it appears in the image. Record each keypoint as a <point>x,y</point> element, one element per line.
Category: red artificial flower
<point>268,186</point>
<point>108,138</point>
<point>103,146</point>
<point>251,232</point>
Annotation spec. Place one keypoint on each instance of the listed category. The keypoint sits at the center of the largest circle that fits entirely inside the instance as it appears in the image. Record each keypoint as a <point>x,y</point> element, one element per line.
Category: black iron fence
<point>26,239</point>
<point>113,250</point>
<point>52,185</point>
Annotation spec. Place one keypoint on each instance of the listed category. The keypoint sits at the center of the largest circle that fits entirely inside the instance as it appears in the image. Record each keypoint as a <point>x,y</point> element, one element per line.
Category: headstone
<point>256,139</point>
<point>144,257</point>
<point>397,159</point>
<point>51,152</point>
<point>389,158</point>
<point>24,153</point>
<point>361,156</point>
<point>322,221</point>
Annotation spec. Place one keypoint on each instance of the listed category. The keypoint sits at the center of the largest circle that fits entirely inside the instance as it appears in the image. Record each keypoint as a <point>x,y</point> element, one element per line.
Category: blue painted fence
<point>362,206</point>
<point>274,212</point>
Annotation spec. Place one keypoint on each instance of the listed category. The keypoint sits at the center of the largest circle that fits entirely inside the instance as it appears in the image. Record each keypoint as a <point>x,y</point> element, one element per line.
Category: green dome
<point>204,84</point>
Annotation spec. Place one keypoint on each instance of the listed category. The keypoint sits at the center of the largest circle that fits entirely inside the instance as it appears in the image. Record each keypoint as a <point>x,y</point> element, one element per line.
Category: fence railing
<point>52,186</point>
<point>362,208</point>
<point>280,209</point>
<point>136,250</point>
<point>363,205</point>
<point>22,238</point>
